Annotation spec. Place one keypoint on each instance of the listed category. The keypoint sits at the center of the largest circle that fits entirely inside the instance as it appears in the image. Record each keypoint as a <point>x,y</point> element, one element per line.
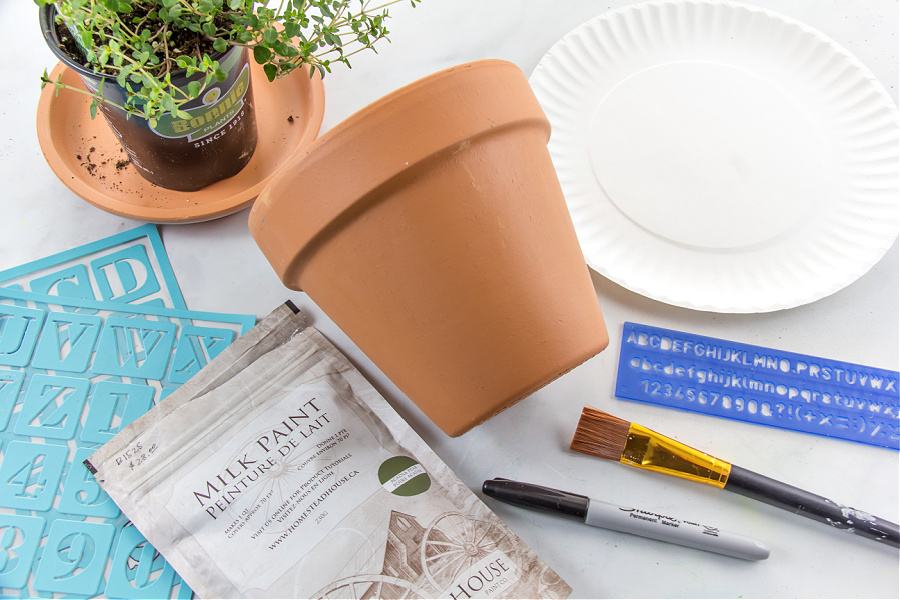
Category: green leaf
<point>261,55</point>
<point>221,75</point>
<point>94,109</point>
<point>194,88</point>
<point>205,6</point>
<point>270,71</point>
<point>270,35</point>
<point>220,45</point>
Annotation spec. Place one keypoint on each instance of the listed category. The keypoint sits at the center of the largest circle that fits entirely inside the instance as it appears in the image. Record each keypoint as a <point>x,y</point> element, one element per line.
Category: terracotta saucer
<point>88,159</point>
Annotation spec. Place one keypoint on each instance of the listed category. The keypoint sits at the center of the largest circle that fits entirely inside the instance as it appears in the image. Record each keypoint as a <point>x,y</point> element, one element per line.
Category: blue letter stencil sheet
<point>759,385</point>
<point>130,267</point>
<point>74,372</point>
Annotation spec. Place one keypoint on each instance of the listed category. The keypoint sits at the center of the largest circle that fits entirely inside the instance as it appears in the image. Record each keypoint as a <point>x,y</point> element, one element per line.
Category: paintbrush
<point>605,436</point>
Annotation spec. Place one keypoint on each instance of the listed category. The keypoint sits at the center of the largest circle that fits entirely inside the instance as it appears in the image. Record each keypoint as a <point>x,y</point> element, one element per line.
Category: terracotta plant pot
<point>179,154</point>
<point>430,226</point>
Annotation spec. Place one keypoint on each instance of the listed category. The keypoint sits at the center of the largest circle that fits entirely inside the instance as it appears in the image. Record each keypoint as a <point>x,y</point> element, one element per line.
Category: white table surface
<point>219,268</point>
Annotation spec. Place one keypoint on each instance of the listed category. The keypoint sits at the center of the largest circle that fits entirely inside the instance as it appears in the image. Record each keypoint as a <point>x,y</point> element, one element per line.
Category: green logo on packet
<point>403,476</point>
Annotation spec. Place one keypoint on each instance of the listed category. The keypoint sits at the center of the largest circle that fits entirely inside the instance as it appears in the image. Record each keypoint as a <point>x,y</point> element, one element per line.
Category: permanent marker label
<point>759,385</point>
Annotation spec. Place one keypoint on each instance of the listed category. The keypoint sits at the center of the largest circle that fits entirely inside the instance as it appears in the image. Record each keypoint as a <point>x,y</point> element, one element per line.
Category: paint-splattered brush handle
<point>787,497</point>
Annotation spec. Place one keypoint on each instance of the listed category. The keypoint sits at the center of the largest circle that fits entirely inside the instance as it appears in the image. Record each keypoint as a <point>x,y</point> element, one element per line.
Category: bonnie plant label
<point>292,473</point>
<point>220,107</point>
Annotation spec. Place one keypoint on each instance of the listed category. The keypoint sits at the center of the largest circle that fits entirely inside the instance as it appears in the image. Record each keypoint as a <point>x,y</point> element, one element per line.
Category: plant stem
<point>99,99</point>
<point>163,31</point>
<point>385,5</point>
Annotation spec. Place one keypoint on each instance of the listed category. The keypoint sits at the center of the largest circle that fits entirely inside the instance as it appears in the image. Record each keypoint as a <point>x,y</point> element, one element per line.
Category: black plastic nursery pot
<point>178,154</point>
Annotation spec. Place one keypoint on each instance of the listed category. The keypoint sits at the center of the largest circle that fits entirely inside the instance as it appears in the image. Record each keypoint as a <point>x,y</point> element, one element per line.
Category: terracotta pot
<point>179,154</point>
<point>430,226</point>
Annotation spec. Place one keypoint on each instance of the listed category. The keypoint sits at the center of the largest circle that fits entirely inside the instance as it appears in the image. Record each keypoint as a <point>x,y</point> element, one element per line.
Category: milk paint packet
<point>279,471</point>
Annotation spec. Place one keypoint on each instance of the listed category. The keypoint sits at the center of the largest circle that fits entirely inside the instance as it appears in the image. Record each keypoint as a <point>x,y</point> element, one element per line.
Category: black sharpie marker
<point>628,520</point>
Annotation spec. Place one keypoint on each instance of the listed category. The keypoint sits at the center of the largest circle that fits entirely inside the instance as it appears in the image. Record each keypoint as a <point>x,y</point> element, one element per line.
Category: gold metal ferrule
<point>649,450</point>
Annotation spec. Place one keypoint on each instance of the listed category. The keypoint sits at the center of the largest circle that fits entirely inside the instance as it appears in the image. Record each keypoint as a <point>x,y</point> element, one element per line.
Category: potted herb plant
<point>170,76</point>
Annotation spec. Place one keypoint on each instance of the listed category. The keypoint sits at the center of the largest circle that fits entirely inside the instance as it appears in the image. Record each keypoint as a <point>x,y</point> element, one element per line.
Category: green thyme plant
<point>141,43</point>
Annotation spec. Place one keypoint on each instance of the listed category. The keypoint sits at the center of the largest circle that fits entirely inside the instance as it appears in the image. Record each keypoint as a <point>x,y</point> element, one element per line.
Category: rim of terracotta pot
<point>374,142</point>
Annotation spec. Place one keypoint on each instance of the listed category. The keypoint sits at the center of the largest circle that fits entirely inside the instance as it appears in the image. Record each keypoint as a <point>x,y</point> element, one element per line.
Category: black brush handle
<point>800,502</point>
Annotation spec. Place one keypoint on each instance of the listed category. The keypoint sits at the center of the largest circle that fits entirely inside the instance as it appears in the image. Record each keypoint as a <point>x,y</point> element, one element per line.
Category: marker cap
<point>535,497</point>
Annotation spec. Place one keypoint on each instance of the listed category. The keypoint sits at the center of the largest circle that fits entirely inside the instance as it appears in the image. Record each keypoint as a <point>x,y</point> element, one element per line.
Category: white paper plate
<point>721,157</point>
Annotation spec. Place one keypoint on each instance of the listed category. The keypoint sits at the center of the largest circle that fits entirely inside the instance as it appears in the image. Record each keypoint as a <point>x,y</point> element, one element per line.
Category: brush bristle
<point>600,434</point>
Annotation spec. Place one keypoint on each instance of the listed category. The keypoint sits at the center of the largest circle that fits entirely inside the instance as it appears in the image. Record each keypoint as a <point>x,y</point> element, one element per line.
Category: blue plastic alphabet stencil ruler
<point>130,267</point>
<point>759,385</point>
<point>73,372</point>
